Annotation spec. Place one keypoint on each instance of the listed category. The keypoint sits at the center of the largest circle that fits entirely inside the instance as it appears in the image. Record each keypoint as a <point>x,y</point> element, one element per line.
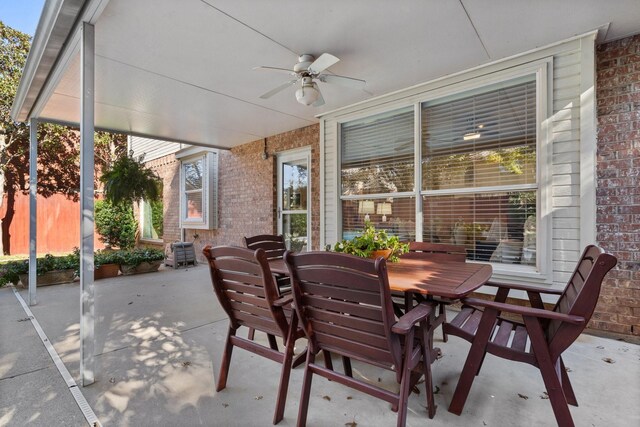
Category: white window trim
<point>542,273</point>
<point>209,188</point>
<point>293,154</point>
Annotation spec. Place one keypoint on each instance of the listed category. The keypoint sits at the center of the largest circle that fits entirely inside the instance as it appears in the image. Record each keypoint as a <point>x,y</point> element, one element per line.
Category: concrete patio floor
<point>159,340</point>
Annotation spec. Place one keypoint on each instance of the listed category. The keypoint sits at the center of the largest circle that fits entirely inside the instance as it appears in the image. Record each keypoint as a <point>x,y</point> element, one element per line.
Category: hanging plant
<point>128,181</point>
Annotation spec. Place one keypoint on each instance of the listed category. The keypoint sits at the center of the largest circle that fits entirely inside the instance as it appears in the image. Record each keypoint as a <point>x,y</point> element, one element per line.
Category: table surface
<point>452,280</point>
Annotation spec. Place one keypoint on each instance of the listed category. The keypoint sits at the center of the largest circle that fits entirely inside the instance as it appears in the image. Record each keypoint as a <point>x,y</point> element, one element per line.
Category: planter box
<point>55,277</point>
<point>105,271</point>
<point>385,253</point>
<point>145,267</point>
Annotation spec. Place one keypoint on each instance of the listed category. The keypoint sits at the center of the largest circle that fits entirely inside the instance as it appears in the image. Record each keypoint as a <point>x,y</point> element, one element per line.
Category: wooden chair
<point>344,305</point>
<point>245,288</point>
<point>274,247</point>
<point>437,252</point>
<point>549,332</point>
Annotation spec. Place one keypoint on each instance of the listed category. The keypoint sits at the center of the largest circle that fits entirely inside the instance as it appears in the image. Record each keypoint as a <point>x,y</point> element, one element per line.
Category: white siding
<point>564,134</point>
<point>153,148</point>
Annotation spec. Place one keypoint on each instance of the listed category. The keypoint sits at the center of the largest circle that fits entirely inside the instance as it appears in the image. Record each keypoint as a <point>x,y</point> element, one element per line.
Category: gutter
<point>58,25</point>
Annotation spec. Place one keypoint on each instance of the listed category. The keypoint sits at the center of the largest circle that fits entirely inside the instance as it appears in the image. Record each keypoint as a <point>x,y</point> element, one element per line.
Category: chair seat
<point>508,339</point>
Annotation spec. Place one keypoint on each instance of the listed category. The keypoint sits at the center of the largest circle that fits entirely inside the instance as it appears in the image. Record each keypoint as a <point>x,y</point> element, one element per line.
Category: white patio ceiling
<point>183,70</point>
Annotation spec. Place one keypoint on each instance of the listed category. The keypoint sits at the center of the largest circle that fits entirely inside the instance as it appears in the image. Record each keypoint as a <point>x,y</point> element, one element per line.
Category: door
<point>294,202</point>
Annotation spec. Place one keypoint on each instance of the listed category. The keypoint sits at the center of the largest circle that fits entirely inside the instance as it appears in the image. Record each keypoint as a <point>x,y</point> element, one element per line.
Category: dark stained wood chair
<point>274,247</point>
<point>437,252</point>
<point>344,305</point>
<point>548,332</point>
<point>245,288</point>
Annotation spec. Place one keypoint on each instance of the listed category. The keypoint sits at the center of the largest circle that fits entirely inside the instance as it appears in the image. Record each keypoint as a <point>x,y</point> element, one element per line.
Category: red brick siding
<point>618,183</point>
<point>248,193</point>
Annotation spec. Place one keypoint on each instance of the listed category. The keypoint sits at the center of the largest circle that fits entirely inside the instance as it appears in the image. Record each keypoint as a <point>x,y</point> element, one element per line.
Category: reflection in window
<point>152,220</point>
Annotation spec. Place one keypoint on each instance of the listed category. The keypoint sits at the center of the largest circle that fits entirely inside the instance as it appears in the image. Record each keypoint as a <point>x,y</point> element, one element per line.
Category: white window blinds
<point>377,154</point>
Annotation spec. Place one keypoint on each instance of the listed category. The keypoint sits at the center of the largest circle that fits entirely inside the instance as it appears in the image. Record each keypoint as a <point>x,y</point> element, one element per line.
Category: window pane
<point>194,205</point>
<point>294,228</point>
<point>294,185</point>
<point>497,227</point>
<point>152,222</point>
<point>481,139</point>
<point>396,215</point>
<point>377,154</point>
<point>193,173</point>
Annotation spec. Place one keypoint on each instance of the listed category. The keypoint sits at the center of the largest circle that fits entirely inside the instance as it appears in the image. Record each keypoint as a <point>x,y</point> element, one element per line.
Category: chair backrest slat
<point>272,244</point>
<point>436,251</point>
<point>345,302</point>
<point>580,296</point>
<point>245,288</point>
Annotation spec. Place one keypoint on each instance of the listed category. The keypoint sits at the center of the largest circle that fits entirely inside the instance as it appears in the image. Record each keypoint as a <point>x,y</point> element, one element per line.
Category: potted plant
<point>51,270</point>
<point>141,260</point>
<point>128,181</point>
<point>372,243</point>
<point>107,264</point>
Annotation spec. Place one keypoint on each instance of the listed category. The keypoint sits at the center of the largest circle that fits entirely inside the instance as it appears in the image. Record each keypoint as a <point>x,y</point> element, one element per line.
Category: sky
<point>22,15</point>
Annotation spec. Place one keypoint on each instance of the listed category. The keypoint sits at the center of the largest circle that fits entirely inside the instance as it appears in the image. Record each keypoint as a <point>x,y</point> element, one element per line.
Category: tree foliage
<point>58,146</point>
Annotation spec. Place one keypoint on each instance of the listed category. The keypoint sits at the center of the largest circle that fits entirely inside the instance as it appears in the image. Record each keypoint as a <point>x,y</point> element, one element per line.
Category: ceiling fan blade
<point>278,89</point>
<point>343,81</point>
<point>278,69</point>
<point>325,61</point>
<point>320,101</point>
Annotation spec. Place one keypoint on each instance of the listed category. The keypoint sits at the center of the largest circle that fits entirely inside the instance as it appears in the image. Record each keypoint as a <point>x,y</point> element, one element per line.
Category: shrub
<point>137,256</point>
<point>10,272</point>
<point>116,224</point>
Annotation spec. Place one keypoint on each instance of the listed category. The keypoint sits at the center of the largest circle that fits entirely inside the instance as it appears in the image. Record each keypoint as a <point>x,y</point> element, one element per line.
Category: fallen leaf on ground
<point>130,303</point>
<point>186,364</point>
<point>224,405</point>
<point>567,369</point>
<point>258,398</point>
<point>112,380</point>
<point>351,424</point>
<point>25,319</point>
<point>522,396</point>
<point>437,390</point>
<point>349,397</point>
<point>601,347</point>
<point>327,398</point>
<point>608,360</point>
<point>544,395</point>
<point>415,389</point>
<point>379,379</point>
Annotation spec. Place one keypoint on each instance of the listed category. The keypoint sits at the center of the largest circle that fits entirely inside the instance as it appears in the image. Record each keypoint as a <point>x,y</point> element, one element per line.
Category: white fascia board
<point>50,52</point>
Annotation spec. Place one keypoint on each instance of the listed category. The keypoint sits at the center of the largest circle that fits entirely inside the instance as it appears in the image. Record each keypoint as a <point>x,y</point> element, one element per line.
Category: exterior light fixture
<point>307,94</point>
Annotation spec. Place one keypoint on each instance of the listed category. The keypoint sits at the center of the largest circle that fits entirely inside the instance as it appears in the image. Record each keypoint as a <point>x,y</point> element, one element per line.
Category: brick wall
<point>618,183</point>
<point>248,193</point>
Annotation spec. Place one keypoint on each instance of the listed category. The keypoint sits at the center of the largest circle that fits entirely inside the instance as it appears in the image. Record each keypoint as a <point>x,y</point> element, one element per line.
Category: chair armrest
<point>282,301</point>
<point>525,311</point>
<point>413,316</point>
<point>525,288</point>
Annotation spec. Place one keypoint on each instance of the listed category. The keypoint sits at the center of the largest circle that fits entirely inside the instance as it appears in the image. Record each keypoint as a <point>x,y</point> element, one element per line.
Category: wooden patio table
<point>425,279</point>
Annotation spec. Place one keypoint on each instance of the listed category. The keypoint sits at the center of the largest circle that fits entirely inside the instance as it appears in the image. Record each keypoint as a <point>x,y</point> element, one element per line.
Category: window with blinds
<point>479,171</point>
<point>377,154</point>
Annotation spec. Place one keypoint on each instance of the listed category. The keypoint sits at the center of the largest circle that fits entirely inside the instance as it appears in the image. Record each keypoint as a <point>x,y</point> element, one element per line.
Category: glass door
<point>294,204</point>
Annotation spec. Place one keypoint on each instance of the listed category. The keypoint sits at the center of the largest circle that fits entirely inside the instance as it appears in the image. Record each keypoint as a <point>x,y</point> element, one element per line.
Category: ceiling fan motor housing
<point>303,63</point>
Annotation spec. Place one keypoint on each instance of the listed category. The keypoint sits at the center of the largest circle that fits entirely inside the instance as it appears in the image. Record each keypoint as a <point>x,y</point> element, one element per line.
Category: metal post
<point>87,76</point>
<point>33,209</point>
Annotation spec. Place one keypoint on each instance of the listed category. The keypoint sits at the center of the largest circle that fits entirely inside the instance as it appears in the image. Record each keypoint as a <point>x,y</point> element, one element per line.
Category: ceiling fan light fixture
<point>307,94</point>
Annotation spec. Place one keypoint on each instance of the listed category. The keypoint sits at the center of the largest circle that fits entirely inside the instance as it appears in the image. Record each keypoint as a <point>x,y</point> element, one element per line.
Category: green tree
<point>58,148</point>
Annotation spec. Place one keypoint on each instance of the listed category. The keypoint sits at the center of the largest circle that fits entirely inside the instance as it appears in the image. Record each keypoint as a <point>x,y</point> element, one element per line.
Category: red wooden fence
<point>58,225</point>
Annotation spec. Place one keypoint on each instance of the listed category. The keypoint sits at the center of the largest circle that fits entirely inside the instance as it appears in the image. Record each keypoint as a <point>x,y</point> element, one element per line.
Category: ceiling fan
<point>307,71</point>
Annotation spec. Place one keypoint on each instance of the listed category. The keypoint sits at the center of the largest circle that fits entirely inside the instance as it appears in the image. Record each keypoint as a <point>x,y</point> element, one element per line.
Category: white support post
<point>33,209</point>
<point>87,77</point>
